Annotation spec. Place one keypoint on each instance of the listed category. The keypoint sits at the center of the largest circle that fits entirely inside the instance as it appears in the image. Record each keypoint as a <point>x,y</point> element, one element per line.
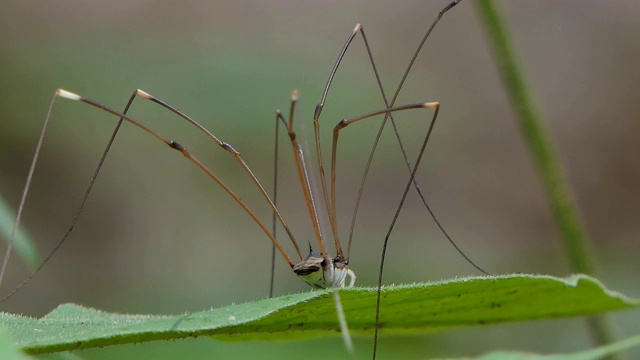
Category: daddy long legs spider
<point>320,270</point>
<point>450,202</point>
<point>305,185</point>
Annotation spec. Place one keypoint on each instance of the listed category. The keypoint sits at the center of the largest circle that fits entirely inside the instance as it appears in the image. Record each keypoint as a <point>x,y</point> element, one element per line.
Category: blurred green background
<point>159,237</point>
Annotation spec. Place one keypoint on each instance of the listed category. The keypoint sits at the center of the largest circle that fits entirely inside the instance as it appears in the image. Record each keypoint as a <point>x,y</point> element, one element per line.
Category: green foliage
<point>593,354</point>
<point>538,139</point>
<point>9,350</point>
<point>22,244</point>
<point>406,309</point>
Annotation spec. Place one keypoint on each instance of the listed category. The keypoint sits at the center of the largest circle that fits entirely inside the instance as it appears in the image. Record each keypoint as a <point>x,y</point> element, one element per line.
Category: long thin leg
<point>276,213</point>
<point>331,205</point>
<point>334,146</point>
<point>412,178</point>
<point>275,202</point>
<point>174,145</point>
<point>25,193</point>
<point>234,152</point>
<point>78,210</point>
<point>393,222</point>
<point>344,123</point>
<point>398,138</point>
<point>407,162</point>
<point>387,112</point>
<point>303,175</point>
<point>350,274</point>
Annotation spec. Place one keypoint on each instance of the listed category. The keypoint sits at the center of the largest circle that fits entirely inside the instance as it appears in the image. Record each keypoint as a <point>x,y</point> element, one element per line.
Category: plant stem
<point>537,137</point>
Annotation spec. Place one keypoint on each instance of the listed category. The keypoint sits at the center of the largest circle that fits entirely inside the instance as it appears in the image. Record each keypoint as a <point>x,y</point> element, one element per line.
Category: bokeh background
<point>159,237</point>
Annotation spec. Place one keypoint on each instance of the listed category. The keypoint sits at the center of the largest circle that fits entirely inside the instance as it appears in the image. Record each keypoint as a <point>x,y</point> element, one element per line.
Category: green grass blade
<point>406,309</point>
<point>22,244</point>
<point>538,139</point>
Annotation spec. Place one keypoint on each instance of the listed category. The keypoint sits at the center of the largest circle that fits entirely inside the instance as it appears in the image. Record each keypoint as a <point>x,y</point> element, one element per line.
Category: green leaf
<point>592,354</point>
<point>10,351</point>
<point>22,244</point>
<point>406,309</point>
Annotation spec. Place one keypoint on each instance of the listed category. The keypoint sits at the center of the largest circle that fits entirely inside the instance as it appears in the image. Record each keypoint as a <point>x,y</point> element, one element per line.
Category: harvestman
<point>318,270</point>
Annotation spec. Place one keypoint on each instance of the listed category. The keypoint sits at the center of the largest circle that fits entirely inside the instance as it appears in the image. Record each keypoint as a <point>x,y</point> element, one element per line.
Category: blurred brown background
<point>159,237</point>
